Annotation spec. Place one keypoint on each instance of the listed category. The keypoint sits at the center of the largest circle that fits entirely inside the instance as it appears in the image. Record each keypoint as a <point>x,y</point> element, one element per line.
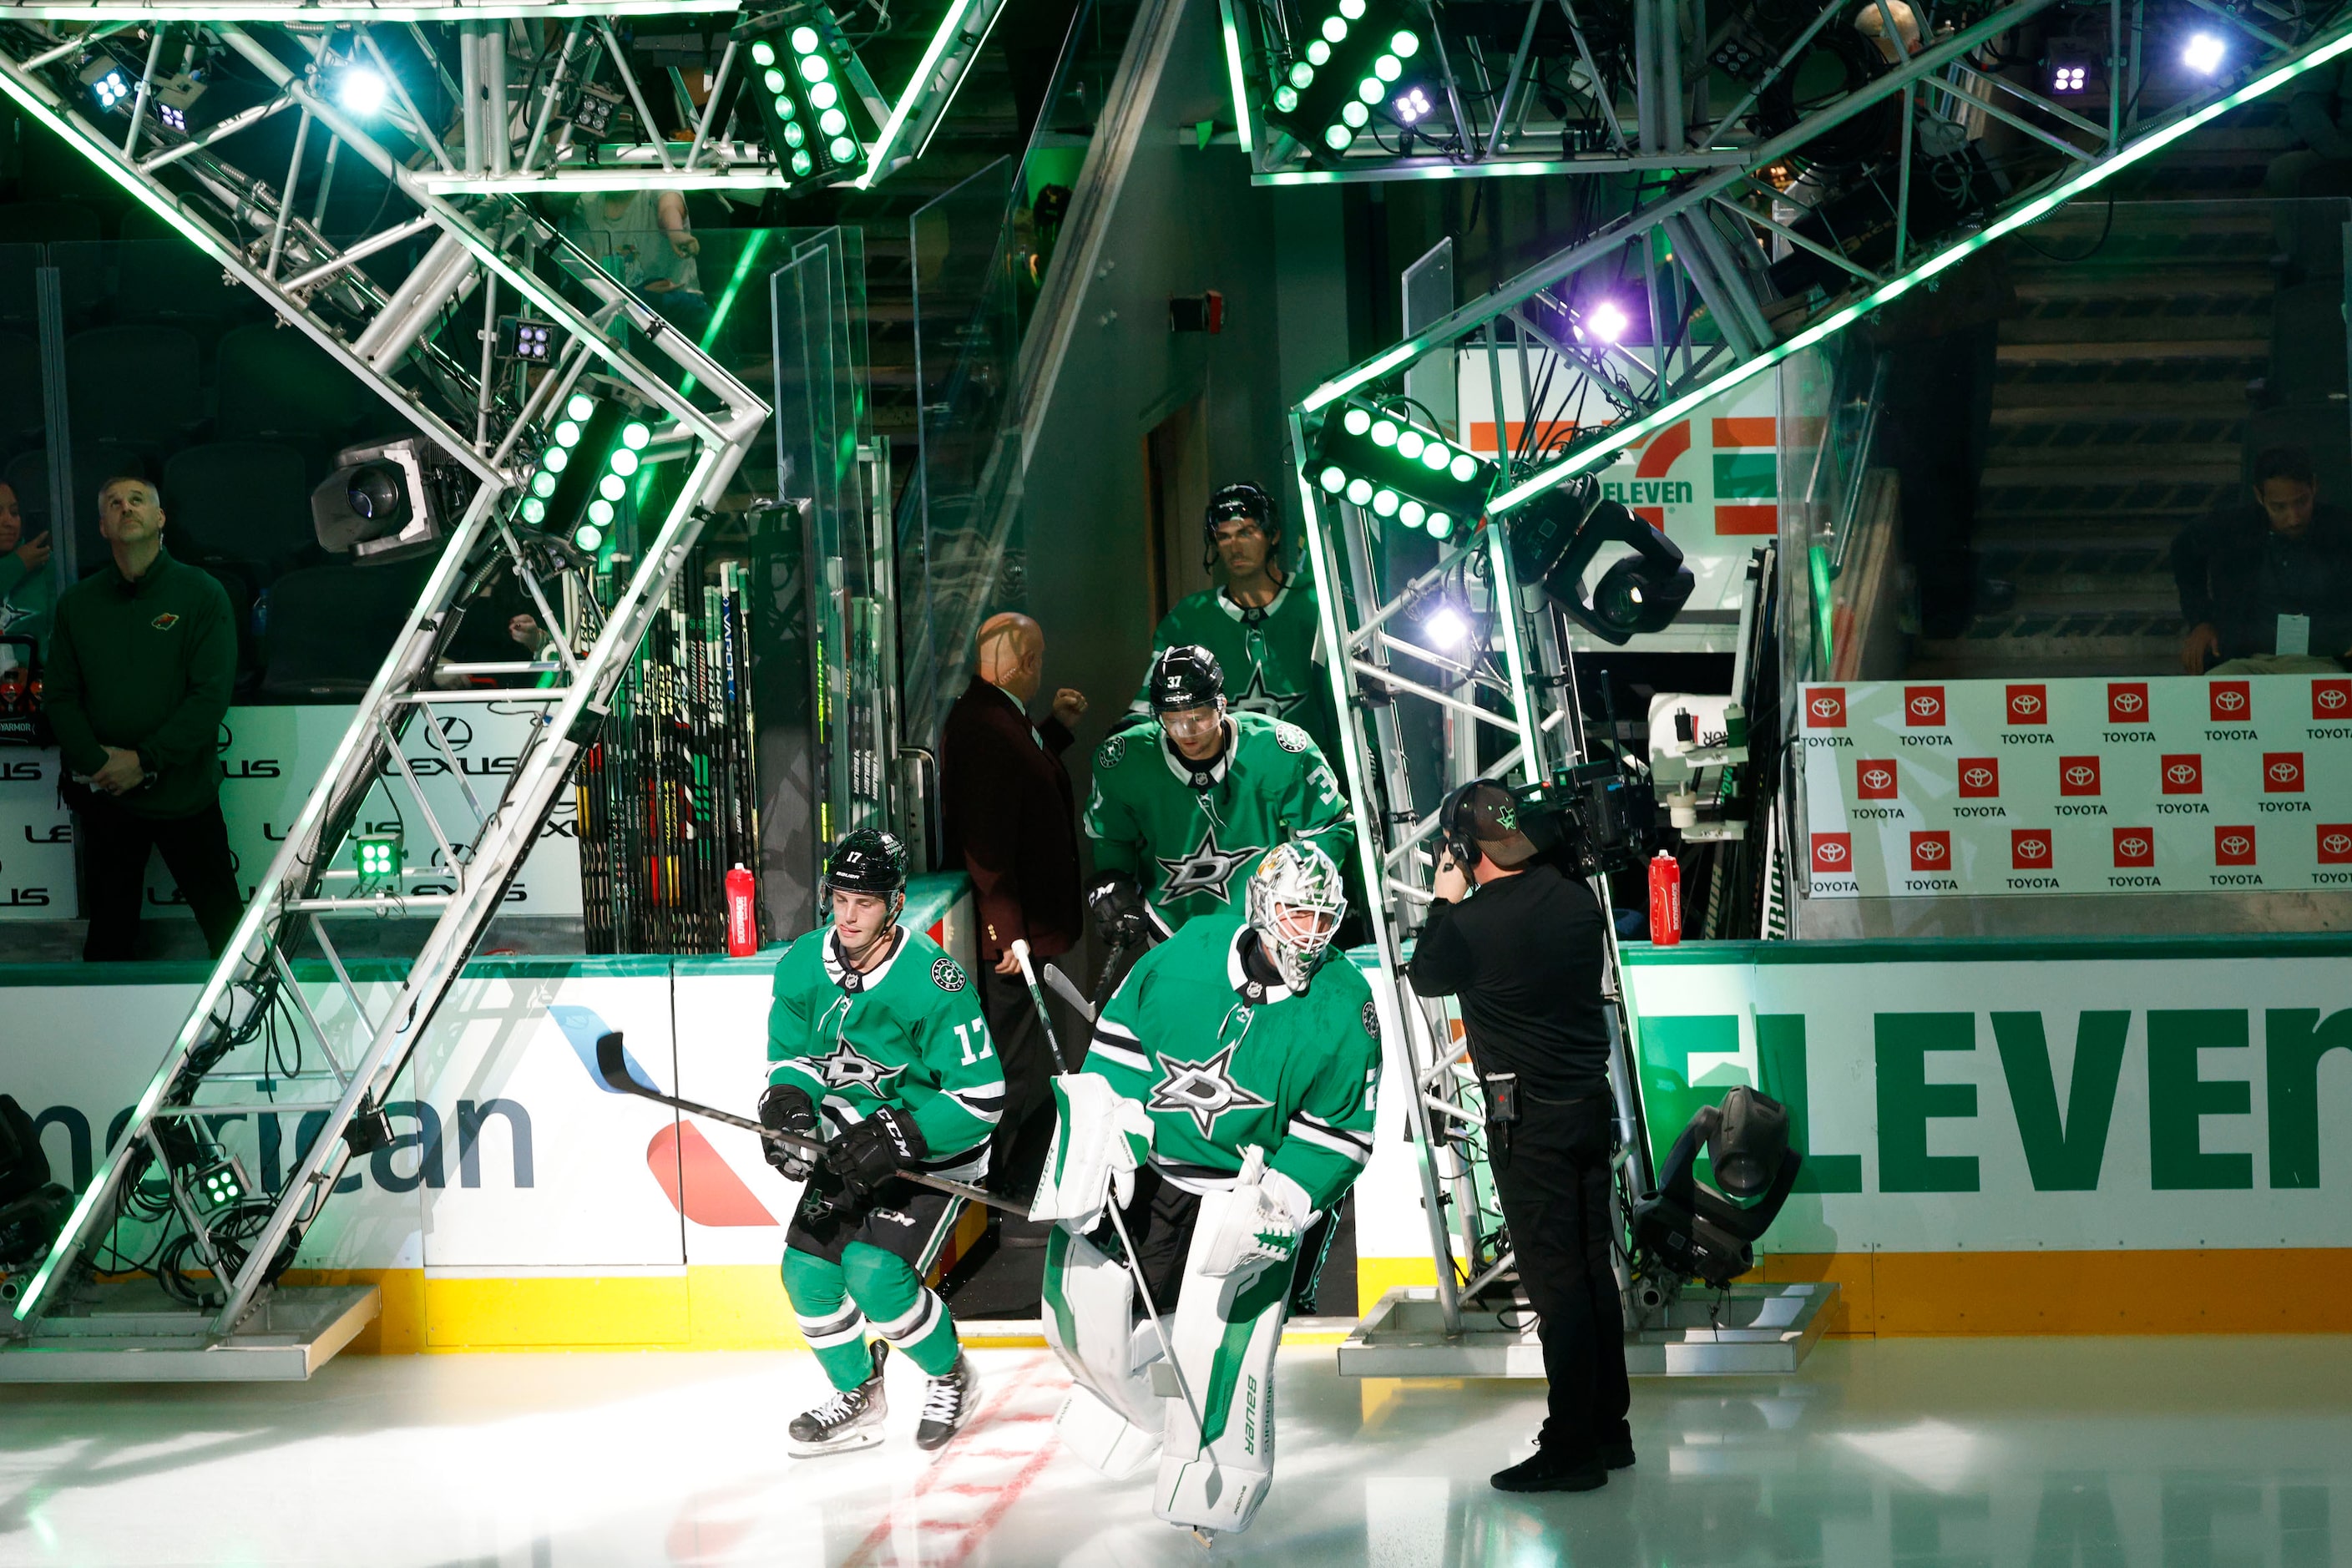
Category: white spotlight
<point>1446,627</point>
<point>2204,53</point>
<point>361,90</point>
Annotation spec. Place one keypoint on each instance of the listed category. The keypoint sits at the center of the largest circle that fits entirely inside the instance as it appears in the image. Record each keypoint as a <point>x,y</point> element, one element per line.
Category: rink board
<point>2002,1138</point>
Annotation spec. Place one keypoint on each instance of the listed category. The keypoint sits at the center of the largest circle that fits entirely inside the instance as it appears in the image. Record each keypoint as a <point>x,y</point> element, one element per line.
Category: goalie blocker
<point>1226,1102</point>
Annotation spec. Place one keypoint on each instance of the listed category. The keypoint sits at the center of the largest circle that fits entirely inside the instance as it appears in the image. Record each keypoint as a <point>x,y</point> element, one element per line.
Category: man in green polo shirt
<point>142,661</point>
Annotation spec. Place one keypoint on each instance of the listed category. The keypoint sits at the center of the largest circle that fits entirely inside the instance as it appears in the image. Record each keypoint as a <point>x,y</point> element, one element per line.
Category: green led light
<point>1334,29</point>
<point>1356,421</point>
<point>802,163</point>
<point>1360,490</point>
<point>833,122</point>
<point>1434,457</point>
<point>1302,75</point>
<point>813,67</point>
<point>542,484</point>
<point>600,513</point>
<point>1388,68</point>
<point>587,539</point>
<point>774,82</point>
<point>1369,90</point>
<point>1438,525</point>
<point>1285,96</point>
<point>1332,480</point>
<point>1351,10</point>
<point>1410,513</point>
<point>556,458</point>
<point>1338,137</point>
<point>1384,502</point>
<point>844,150</point>
<point>1318,53</point>
<point>1464,467</point>
<point>635,434</point>
<point>795,136</point>
<point>612,486</point>
<point>1355,113</point>
<point>1404,46</point>
<point>804,40</point>
<point>823,95</point>
<point>763,53</point>
<point>534,510</point>
<point>567,434</point>
<point>1384,434</point>
<point>624,462</point>
<point>581,407</point>
<point>1410,443</point>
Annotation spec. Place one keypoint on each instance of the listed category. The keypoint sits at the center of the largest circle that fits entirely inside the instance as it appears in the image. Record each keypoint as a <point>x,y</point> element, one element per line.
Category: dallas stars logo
<point>1203,1090</point>
<point>1207,869</point>
<point>844,1067</point>
<point>1258,698</point>
<point>11,614</point>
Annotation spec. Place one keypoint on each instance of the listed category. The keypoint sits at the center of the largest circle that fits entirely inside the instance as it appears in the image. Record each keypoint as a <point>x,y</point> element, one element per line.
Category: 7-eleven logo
<point>1728,466</point>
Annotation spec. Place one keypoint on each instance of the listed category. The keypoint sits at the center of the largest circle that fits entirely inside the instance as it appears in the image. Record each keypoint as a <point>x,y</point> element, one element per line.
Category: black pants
<point>1553,1176</point>
<point>1016,1151</point>
<point>115,845</point>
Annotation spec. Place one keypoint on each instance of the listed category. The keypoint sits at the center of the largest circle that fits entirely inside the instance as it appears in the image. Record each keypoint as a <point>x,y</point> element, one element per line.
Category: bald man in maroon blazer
<point>1010,820</point>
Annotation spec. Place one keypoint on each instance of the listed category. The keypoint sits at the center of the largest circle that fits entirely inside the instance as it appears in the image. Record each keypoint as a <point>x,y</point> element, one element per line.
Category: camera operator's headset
<point>1454,835</point>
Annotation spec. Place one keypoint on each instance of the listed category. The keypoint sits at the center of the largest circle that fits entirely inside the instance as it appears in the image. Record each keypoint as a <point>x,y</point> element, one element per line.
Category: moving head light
<point>1561,533</point>
<point>1692,1231</point>
<point>387,501</point>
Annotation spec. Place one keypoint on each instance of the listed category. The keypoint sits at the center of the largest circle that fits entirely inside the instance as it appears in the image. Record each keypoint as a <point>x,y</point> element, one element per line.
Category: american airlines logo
<point>2233,846</point>
<point>2078,776</point>
<point>2134,847</point>
<point>2127,702</point>
<point>2231,701</point>
<point>2029,849</point>
<point>2184,774</point>
<point>2282,773</point>
<point>1923,705</point>
<point>1825,709</point>
<point>1979,778</point>
<point>2335,843</point>
<point>1834,852</point>
<point>2028,704</point>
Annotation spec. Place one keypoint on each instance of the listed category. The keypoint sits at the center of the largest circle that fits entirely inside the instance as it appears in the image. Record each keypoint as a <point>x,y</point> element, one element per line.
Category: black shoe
<point>947,1403</point>
<point>1551,1470</point>
<point>847,1422</point>
<point>1618,1454</point>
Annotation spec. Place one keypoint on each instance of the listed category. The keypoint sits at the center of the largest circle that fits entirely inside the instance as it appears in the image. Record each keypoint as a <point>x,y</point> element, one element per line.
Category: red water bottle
<point>742,925</point>
<point>1666,900</point>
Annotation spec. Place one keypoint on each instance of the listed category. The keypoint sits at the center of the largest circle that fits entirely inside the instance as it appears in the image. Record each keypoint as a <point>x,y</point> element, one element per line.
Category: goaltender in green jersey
<point>1263,626</point>
<point>1181,815</point>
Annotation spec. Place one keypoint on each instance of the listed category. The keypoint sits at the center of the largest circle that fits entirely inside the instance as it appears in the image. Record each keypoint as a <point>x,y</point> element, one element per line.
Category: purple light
<point>1607,321</point>
<point>1411,105</point>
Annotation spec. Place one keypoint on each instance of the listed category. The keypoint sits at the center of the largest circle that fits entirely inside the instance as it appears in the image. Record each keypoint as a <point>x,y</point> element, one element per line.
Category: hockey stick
<point>1020,951</point>
<point>1067,989</point>
<point>612,1066</point>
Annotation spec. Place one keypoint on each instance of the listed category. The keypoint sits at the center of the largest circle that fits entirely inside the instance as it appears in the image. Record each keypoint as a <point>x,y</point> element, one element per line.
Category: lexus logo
<point>458,732</point>
<point>222,743</point>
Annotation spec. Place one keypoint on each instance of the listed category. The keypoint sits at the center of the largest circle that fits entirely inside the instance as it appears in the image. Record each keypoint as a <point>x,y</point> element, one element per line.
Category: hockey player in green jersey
<point>881,1052</point>
<point>1181,815</point>
<point>1226,1102</point>
<point>1263,625</point>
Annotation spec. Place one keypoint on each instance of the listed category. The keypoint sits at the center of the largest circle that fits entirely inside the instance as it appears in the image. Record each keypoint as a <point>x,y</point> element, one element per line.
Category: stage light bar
<point>1355,57</point>
<point>1376,458</point>
<point>584,471</point>
<point>803,91</point>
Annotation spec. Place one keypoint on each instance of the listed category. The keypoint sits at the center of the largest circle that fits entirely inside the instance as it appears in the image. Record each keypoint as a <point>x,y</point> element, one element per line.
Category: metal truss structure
<point>224,1244</point>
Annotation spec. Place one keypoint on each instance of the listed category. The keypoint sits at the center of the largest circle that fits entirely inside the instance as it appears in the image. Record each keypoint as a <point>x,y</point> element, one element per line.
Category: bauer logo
<point>1825,707</point>
<point>2183,773</point>
<point>2127,701</point>
<point>1979,778</point>
<point>2233,846</point>
<point>1874,781</point>
<point>1923,705</point>
<point>2231,701</point>
<point>2028,704</point>
<point>2134,847</point>
<point>1931,851</point>
<point>2331,700</point>
<point>2078,776</point>
<point>2282,773</point>
<point>1833,853</point>
<point>2335,843</point>
<point>2029,849</point>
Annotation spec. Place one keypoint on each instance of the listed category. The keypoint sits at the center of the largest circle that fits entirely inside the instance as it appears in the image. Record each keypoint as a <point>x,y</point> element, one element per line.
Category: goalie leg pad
<point>1090,1321</point>
<point>1228,1327</point>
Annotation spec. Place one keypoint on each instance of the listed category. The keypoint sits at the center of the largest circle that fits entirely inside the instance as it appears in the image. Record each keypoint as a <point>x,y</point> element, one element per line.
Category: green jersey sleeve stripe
<point>1339,1143</point>
<point>798,1074</point>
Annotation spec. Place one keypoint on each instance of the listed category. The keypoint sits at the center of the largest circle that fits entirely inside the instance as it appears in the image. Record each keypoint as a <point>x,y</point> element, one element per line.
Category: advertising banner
<point>2084,785</point>
<point>273,758</point>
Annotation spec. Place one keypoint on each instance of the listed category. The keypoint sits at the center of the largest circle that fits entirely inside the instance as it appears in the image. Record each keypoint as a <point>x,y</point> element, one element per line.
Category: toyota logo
<point>1825,707</point>
<point>2330,697</point>
<point>2134,847</point>
<point>1931,849</point>
<point>2336,843</point>
<point>2229,701</point>
<point>2032,848</point>
<point>2236,844</point>
<point>1977,778</point>
<point>2079,774</point>
<point>1926,706</point>
<point>1830,854</point>
<point>2025,702</point>
<point>2180,772</point>
<point>2285,773</point>
<point>1877,778</point>
<point>2129,701</point>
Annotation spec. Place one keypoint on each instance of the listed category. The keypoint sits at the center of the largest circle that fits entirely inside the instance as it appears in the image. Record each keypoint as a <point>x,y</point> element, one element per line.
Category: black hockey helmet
<point>1186,676</point>
<point>1243,500</point>
<point>868,860</point>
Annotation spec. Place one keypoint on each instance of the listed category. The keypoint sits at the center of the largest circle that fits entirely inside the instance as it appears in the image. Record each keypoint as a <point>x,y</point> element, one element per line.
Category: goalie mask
<point>1295,905</point>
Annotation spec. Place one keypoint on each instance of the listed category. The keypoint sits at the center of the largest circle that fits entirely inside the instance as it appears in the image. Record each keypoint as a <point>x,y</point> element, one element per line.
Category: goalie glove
<point>1100,1138</point>
<point>788,1110</point>
<point>1264,1214</point>
<point>872,1151</point>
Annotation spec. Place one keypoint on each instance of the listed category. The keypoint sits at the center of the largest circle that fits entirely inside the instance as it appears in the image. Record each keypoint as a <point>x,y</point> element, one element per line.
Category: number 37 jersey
<point>907,1033</point>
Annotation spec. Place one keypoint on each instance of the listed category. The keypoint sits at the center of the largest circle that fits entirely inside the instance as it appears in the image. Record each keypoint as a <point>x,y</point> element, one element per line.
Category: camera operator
<point>1521,945</point>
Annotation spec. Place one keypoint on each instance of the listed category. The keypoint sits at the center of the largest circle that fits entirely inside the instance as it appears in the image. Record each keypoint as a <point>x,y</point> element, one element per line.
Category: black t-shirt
<point>1524,954</point>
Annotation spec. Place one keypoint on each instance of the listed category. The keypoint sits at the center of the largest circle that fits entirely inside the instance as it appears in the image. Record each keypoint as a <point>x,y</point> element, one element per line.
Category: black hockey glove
<point>872,1151</point>
<point>1116,905</point>
<point>788,1110</point>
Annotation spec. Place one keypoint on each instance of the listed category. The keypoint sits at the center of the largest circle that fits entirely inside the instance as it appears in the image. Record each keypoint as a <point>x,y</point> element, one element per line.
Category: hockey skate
<point>848,1420</point>
<point>947,1404</point>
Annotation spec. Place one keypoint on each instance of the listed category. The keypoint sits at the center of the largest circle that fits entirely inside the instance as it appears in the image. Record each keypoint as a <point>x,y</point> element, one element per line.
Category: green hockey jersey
<point>1192,835</point>
<point>1272,655</point>
<point>907,1033</point>
<point>1220,1062</point>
